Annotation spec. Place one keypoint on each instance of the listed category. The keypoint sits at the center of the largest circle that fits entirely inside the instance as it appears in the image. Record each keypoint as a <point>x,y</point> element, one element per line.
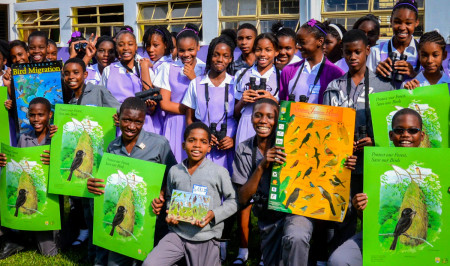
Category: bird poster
<point>187,206</point>
<point>407,217</point>
<point>24,200</point>
<point>313,181</point>
<point>4,118</point>
<point>83,135</point>
<point>35,80</point>
<point>123,218</point>
<point>431,102</point>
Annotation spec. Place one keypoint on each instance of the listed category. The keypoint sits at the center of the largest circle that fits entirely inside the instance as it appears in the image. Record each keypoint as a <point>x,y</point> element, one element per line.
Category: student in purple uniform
<point>129,75</point>
<point>286,44</point>
<point>206,101</point>
<point>333,44</point>
<point>266,50</point>
<point>309,77</point>
<point>174,79</point>
<point>105,55</point>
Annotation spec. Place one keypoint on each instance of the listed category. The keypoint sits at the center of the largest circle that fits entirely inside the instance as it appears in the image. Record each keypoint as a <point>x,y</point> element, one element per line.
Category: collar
<point>295,59</point>
<point>32,136</point>
<point>205,79</point>
<point>266,75</point>
<point>444,79</point>
<point>249,146</point>
<point>139,143</point>
<point>165,58</point>
<point>185,163</point>
<point>93,67</point>
<point>344,77</point>
<point>410,49</point>
<point>314,68</point>
<point>198,69</point>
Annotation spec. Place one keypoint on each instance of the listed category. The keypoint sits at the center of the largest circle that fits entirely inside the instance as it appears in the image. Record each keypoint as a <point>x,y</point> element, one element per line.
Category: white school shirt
<point>122,70</point>
<point>97,78</point>
<point>374,57</point>
<point>424,82</point>
<point>239,90</point>
<point>190,98</point>
<point>166,59</point>
<point>295,59</point>
<point>162,78</point>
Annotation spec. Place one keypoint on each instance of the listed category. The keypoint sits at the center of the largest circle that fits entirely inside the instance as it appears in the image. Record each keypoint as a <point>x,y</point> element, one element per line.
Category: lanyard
<point>137,74</point>
<point>417,68</point>
<point>225,114</point>
<point>366,95</point>
<point>322,64</point>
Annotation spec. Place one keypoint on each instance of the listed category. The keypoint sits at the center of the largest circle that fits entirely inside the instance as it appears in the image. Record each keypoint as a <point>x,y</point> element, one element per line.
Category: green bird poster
<point>24,200</point>
<point>4,119</point>
<point>84,133</point>
<point>408,211</point>
<point>123,220</point>
<point>431,102</point>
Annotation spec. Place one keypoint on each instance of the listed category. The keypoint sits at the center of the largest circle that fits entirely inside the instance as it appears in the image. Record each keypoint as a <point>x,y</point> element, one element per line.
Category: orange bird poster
<point>313,181</point>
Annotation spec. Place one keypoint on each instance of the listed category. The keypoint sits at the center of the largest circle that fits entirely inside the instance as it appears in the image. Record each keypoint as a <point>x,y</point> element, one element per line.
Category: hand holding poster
<point>84,133</point>
<point>123,218</point>
<point>431,102</point>
<point>4,118</point>
<point>187,206</point>
<point>24,201</point>
<point>313,182</point>
<point>408,210</point>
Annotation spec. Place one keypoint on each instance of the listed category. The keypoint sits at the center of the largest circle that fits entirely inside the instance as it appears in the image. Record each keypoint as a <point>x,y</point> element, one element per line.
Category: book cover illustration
<point>313,182</point>
<point>187,206</point>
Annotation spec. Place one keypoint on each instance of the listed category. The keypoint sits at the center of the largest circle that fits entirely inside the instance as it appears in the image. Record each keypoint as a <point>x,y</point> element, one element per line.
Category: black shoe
<point>10,249</point>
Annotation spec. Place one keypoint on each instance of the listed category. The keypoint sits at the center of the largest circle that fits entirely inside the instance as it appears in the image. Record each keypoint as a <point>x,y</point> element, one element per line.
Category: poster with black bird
<point>431,102</point>
<point>4,117</point>
<point>123,218</point>
<point>24,200</point>
<point>84,133</point>
<point>35,80</point>
<point>408,211</point>
<point>317,140</point>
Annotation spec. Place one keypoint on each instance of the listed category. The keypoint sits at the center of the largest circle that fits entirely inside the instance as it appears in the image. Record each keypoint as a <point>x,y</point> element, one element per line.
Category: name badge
<point>314,89</point>
<point>200,190</point>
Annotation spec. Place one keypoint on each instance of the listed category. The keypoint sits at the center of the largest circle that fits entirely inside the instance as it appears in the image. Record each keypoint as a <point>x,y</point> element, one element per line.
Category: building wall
<point>436,13</point>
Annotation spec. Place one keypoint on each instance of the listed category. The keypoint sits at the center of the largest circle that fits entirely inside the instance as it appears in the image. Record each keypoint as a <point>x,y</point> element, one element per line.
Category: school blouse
<point>295,59</point>
<point>290,73</point>
<point>342,64</point>
<point>157,66</point>
<point>94,77</point>
<point>379,53</point>
<point>424,82</point>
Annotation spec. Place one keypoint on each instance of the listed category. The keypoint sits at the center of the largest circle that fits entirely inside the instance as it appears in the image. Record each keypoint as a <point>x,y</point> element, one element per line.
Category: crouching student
<point>197,241</point>
<point>139,144</point>
<point>39,113</point>
<point>406,132</point>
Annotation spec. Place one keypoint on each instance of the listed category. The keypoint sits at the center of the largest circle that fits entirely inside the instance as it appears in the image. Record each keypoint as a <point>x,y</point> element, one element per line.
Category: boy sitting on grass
<point>196,242</point>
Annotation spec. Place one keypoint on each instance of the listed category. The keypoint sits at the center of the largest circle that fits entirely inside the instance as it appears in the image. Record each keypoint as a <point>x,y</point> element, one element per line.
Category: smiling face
<point>187,50</point>
<point>221,58</point>
<point>39,117</point>
<point>404,22</point>
<point>307,43</point>
<point>74,76</point>
<point>245,40</point>
<point>355,54</point>
<point>156,47</point>
<point>105,54</point>
<point>126,47</point>
<point>287,49</point>
<point>197,145</point>
<point>38,49</point>
<point>52,52</point>
<point>265,53</point>
<point>370,29</point>
<point>406,139</point>
<point>431,57</point>
<point>332,48</point>
<point>131,122</point>
<point>19,55</point>
<point>264,119</point>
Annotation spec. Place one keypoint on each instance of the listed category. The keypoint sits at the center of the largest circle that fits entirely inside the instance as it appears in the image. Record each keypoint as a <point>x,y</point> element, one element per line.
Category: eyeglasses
<point>411,131</point>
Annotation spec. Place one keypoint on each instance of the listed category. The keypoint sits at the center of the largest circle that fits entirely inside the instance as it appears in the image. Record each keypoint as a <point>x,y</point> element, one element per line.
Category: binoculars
<point>80,46</point>
<point>361,133</point>
<point>394,74</point>
<point>218,134</point>
<point>151,94</point>
<point>252,84</point>
<point>303,98</point>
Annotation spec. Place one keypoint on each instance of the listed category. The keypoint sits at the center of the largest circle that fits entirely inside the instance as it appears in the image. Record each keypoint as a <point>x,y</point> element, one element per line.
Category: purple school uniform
<point>124,85</point>
<point>245,127</point>
<point>216,111</point>
<point>159,115</point>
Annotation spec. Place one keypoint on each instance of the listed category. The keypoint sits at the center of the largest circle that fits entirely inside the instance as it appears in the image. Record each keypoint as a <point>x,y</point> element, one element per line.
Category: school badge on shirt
<point>200,190</point>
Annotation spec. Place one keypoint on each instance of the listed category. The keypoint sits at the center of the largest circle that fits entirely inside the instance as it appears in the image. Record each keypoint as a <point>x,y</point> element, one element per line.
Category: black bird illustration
<point>316,155</point>
<point>293,197</point>
<point>327,196</point>
<point>21,199</point>
<point>403,225</point>
<point>308,172</point>
<point>118,218</point>
<point>305,139</point>
<point>77,161</point>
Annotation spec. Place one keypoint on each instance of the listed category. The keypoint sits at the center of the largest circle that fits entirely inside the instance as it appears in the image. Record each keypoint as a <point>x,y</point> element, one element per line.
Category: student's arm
<point>169,106</point>
<point>350,163</point>
<point>359,201</point>
<point>90,49</point>
<point>405,68</point>
<point>2,159</point>
<point>8,104</point>
<point>53,130</point>
<point>248,96</point>
<point>190,102</point>
<point>229,205</point>
<point>145,73</point>
<point>412,84</point>
<point>190,116</point>
<point>7,78</point>
<point>45,157</point>
<point>384,68</point>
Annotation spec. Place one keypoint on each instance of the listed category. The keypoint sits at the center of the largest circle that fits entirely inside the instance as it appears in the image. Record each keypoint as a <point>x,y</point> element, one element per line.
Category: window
<point>261,13</point>
<point>100,20</point>
<point>346,12</point>
<point>43,20</point>
<point>173,14</point>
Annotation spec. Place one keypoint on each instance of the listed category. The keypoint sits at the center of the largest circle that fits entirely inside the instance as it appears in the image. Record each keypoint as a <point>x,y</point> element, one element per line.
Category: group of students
<point>214,126</point>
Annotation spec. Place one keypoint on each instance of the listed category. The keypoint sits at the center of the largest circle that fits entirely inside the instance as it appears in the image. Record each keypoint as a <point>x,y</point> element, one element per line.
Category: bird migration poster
<point>4,118</point>
<point>431,102</point>
<point>84,133</point>
<point>35,80</point>
<point>187,206</point>
<point>313,182</point>
<point>408,211</point>
<point>123,218</point>
<point>24,201</point>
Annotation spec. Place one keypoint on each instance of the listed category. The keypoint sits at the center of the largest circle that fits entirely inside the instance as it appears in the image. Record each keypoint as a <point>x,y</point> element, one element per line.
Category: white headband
<point>337,29</point>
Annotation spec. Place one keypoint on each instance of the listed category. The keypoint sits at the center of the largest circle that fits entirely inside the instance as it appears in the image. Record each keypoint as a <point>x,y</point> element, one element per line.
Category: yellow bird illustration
<point>343,133</point>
